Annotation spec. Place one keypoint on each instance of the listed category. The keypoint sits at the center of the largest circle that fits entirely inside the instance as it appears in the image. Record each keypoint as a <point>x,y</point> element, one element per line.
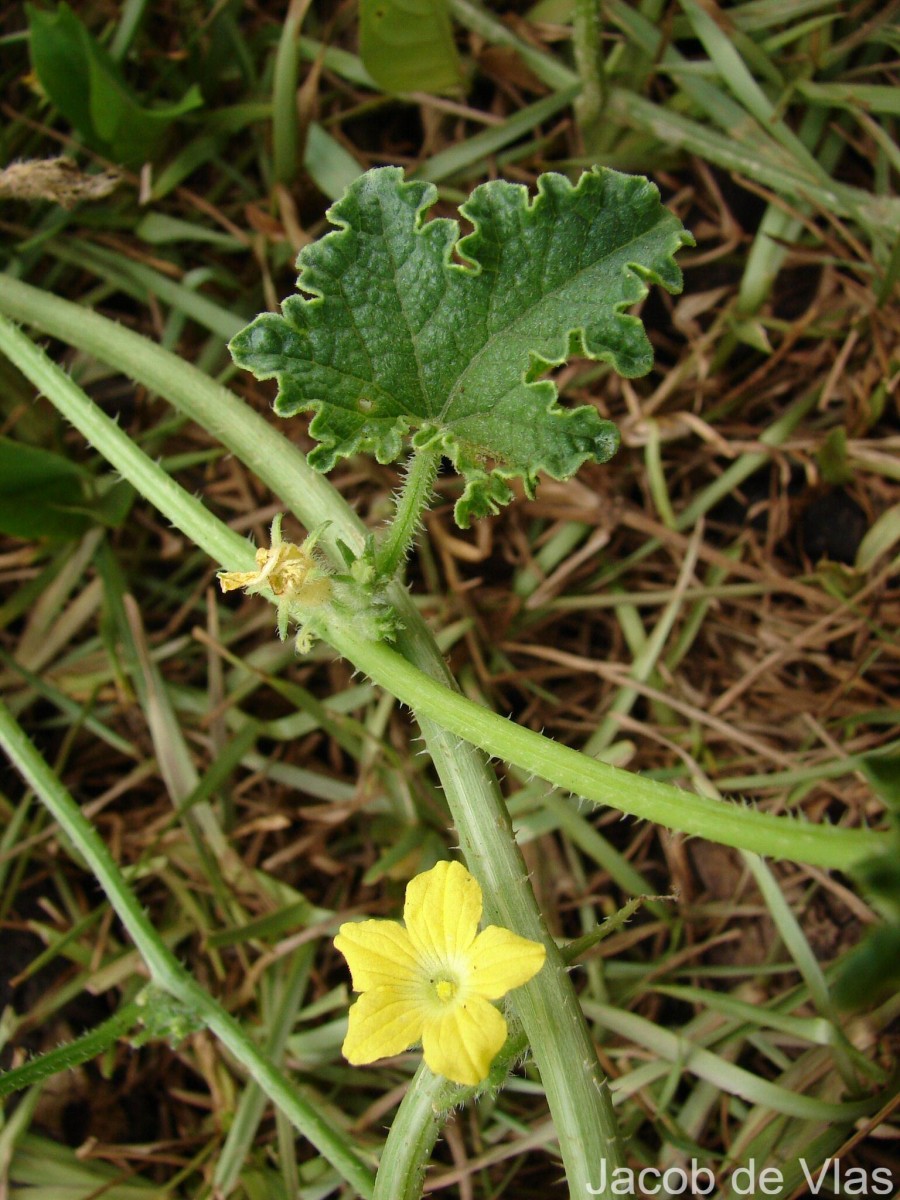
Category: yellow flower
<point>288,569</point>
<point>294,576</point>
<point>432,981</point>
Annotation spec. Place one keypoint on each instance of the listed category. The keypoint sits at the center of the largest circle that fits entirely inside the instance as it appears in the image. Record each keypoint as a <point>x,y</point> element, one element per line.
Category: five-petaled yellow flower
<point>432,981</point>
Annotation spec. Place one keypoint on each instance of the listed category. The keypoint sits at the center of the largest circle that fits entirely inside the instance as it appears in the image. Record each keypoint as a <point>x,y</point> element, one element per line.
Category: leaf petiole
<point>411,502</point>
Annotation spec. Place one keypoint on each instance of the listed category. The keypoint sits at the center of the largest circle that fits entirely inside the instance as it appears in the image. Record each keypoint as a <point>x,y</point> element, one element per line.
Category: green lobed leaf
<point>393,337</point>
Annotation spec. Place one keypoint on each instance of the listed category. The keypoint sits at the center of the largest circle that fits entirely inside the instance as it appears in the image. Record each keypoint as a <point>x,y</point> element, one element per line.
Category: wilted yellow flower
<point>292,573</point>
<point>432,981</point>
<point>286,568</point>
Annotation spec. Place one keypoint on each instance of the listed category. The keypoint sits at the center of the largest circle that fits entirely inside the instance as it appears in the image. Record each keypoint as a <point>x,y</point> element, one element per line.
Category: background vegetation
<point>716,607</point>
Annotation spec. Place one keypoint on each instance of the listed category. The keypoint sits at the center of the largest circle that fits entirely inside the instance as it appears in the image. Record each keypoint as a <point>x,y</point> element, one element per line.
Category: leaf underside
<point>391,337</point>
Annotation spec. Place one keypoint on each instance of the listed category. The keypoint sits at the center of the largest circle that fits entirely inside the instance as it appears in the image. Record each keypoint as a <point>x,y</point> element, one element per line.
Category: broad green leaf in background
<point>407,45</point>
<point>43,494</point>
<point>393,337</point>
<point>872,969</point>
<point>80,79</point>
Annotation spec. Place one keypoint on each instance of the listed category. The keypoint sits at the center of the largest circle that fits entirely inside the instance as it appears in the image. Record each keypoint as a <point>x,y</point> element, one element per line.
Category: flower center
<point>446,989</point>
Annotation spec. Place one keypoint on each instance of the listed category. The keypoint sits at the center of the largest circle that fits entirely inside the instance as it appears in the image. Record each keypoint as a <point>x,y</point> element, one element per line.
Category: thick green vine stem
<point>411,1139</point>
<point>315,502</point>
<point>576,1090</point>
<point>424,686</point>
<point>428,1101</point>
<point>588,45</point>
<point>547,1007</point>
<point>721,821</point>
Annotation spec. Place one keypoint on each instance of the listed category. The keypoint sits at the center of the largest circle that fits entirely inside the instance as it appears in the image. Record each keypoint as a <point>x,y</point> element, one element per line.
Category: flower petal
<point>229,580</point>
<point>378,953</point>
<point>501,961</point>
<point>462,1042</point>
<point>442,911</point>
<point>382,1023</point>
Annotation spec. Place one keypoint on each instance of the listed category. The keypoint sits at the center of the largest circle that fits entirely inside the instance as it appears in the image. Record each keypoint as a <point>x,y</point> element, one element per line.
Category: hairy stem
<point>411,1138</point>
<point>580,1108</point>
<point>589,105</point>
<point>421,472</point>
<point>576,1090</point>
<point>726,822</point>
<point>64,1058</point>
